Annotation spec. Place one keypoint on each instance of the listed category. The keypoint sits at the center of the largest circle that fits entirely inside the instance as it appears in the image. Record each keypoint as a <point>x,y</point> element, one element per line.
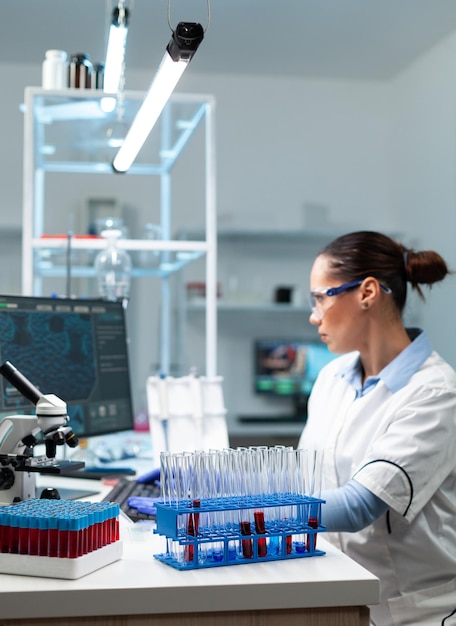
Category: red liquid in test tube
<point>247,547</point>
<point>313,523</point>
<point>53,538</point>
<point>63,539</point>
<point>23,538</point>
<point>73,544</point>
<point>34,537</point>
<point>14,535</point>
<point>192,530</point>
<point>4,536</point>
<point>116,530</point>
<point>289,544</point>
<point>260,530</point>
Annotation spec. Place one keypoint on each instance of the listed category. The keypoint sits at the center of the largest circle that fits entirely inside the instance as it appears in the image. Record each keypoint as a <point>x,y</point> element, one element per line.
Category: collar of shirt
<point>397,373</point>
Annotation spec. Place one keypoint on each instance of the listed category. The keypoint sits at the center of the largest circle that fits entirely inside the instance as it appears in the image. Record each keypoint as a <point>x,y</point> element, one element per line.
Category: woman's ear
<point>369,291</point>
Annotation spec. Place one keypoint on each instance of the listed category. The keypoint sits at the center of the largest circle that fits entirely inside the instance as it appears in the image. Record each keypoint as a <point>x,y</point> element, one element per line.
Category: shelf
<point>224,307</point>
<point>10,232</point>
<point>309,236</point>
<point>60,243</point>
<point>247,235</point>
<point>178,253</point>
<point>90,146</point>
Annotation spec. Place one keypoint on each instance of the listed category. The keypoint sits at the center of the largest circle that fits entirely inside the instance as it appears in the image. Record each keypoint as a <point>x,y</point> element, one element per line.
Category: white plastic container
<point>55,70</point>
<point>212,395</point>
<point>158,415</point>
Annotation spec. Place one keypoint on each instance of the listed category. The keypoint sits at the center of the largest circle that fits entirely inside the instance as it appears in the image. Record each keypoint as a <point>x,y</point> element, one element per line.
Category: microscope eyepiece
<point>18,380</point>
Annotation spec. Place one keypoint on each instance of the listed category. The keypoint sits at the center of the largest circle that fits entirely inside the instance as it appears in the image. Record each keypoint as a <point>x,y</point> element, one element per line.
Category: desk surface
<point>139,584</point>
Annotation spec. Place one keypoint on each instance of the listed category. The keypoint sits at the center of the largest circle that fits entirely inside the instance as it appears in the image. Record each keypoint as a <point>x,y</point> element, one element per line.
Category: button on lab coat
<point>402,447</point>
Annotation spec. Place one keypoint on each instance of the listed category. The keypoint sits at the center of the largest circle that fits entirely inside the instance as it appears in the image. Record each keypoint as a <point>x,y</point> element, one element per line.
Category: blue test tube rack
<point>223,531</point>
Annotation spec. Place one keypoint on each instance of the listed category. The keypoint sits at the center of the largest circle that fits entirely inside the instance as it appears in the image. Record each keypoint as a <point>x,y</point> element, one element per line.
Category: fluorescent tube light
<point>115,55</point>
<point>180,50</point>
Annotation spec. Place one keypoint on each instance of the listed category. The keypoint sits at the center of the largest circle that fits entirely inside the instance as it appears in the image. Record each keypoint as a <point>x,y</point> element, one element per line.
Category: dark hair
<point>367,253</point>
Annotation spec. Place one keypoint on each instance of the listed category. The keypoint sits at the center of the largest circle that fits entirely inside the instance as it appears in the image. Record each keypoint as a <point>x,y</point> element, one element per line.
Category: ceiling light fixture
<point>179,52</point>
<point>115,55</point>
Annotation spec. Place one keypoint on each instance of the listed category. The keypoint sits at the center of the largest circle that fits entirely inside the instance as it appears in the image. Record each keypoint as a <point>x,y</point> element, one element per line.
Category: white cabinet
<point>69,142</point>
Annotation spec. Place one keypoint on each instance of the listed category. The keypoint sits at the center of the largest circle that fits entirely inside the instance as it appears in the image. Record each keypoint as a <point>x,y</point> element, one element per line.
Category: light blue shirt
<point>397,373</point>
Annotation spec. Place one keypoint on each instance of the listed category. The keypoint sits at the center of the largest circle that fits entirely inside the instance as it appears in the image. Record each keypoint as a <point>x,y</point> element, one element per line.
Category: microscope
<point>19,434</point>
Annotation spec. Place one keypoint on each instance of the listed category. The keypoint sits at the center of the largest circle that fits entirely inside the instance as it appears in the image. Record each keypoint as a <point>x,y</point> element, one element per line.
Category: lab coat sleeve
<point>350,508</point>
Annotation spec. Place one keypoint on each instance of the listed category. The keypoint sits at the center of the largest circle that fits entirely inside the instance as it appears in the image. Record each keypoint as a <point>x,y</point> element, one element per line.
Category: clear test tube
<point>302,510</point>
<point>288,472</point>
<point>314,479</point>
<point>168,491</point>
<point>167,483</point>
<point>244,460</point>
<point>231,485</point>
<point>199,491</point>
<point>212,477</point>
<point>281,486</point>
<point>181,473</point>
<point>217,521</point>
<point>259,476</point>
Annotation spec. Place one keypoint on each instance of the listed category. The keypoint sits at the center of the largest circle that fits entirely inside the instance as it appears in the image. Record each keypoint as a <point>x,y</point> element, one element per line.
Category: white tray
<point>55,567</point>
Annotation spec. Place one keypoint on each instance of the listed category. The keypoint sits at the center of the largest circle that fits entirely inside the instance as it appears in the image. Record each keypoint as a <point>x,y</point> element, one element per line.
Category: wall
<point>423,166</point>
<point>282,143</point>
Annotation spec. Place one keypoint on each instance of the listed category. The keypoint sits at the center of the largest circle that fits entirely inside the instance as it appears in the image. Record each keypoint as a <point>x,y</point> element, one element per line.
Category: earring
<point>365,305</point>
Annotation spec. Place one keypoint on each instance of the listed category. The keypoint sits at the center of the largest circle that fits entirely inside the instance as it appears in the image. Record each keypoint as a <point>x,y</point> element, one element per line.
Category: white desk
<point>139,590</point>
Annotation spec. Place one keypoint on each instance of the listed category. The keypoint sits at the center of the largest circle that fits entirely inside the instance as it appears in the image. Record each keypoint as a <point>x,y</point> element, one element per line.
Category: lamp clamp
<point>185,41</point>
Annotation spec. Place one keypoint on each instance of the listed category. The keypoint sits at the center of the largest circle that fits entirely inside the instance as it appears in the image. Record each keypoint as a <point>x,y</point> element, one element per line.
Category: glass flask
<point>113,268</point>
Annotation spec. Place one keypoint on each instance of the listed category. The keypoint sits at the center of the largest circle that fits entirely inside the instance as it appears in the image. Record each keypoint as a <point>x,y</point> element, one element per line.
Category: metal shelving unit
<point>63,133</point>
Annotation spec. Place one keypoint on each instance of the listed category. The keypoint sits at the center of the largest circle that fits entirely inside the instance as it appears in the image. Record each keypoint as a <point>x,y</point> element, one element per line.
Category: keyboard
<point>127,488</point>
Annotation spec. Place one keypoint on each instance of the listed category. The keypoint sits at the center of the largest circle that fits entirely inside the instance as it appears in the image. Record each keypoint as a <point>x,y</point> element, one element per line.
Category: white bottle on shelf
<point>55,70</point>
<point>113,268</point>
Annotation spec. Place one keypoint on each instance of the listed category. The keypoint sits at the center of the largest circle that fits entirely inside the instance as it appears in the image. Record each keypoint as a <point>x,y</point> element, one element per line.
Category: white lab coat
<point>402,447</point>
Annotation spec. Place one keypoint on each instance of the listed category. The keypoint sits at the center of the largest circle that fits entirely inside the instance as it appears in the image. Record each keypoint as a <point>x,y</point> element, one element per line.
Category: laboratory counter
<point>329,590</point>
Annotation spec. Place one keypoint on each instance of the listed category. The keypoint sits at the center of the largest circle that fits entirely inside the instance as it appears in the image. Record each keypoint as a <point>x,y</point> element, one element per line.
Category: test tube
<point>193,519</point>
<point>260,530</point>
<point>14,534</point>
<point>192,531</point>
<point>247,546</point>
<point>167,482</point>
<point>313,480</point>
<point>33,548</point>
<point>259,484</point>
<point>301,510</point>
<point>231,485</point>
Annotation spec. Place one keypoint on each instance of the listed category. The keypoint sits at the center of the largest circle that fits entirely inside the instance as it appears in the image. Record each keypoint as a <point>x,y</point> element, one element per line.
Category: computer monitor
<point>289,368</point>
<point>76,349</point>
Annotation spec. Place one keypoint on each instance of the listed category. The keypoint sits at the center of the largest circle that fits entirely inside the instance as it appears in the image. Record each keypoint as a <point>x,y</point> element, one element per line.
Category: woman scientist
<point>385,412</point>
